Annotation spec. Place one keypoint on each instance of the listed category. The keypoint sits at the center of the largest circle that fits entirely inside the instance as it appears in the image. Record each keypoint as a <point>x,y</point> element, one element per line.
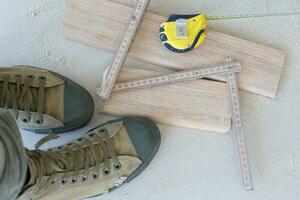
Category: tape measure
<point>183,33</point>
<point>111,73</point>
<point>230,69</point>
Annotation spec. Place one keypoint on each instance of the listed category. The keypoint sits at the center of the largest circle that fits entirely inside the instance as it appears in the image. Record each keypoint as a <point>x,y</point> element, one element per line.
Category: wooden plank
<point>102,23</point>
<point>199,104</point>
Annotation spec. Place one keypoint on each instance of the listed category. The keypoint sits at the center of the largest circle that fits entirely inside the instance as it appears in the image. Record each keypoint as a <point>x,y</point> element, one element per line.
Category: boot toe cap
<point>146,139</point>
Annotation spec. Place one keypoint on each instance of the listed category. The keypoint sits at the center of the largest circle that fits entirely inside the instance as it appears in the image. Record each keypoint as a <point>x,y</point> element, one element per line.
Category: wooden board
<point>199,104</point>
<point>102,24</point>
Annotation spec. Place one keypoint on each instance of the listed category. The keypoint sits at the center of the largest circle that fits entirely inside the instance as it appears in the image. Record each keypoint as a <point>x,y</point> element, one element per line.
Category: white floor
<point>191,164</point>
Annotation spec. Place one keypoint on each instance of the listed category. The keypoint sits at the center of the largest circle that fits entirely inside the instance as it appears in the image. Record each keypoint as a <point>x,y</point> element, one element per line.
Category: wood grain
<point>102,24</point>
<point>199,104</point>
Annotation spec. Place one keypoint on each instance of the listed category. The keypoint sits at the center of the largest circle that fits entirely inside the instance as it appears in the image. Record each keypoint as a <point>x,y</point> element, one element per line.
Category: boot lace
<point>64,162</point>
<point>22,95</point>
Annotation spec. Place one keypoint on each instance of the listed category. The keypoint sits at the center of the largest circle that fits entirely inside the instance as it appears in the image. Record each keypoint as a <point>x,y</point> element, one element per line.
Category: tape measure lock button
<point>181,28</point>
<point>183,33</point>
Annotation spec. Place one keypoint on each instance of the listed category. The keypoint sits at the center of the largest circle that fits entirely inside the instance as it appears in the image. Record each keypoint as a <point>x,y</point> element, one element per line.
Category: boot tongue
<point>32,173</point>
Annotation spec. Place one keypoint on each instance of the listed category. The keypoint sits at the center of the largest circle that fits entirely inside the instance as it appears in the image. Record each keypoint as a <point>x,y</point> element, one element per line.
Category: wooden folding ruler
<point>230,69</point>
<point>111,73</point>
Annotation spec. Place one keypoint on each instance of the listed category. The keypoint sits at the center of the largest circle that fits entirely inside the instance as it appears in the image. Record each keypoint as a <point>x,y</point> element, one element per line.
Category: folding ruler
<point>111,73</point>
<point>230,69</point>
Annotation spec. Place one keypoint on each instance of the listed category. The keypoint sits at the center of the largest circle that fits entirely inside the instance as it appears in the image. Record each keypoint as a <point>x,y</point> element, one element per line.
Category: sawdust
<point>55,63</point>
<point>47,6</point>
<point>293,166</point>
<point>50,59</point>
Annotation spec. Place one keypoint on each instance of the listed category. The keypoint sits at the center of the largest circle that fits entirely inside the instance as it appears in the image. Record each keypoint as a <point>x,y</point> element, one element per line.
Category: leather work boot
<point>102,160</point>
<point>43,101</point>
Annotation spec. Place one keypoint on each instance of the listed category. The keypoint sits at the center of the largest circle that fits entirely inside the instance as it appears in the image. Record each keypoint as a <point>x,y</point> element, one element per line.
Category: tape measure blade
<point>236,129</point>
<point>109,79</point>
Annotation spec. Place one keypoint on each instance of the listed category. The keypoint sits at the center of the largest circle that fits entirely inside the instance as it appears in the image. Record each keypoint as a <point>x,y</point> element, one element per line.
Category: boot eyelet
<point>63,182</point>
<point>42,78</point>
<point>95,175</point>
<point>91,134</point>
<point>106,172</point>
<point>117,166</point>
<point>25,120</point>
<point>84,178</point>
<point>39,122</point>
<point>79,140</point>
<point>70,144</point>
<point>73,180</point>
<point>30,76</point>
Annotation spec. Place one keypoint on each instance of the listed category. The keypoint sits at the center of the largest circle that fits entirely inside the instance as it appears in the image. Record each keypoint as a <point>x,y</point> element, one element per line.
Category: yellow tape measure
<point>183,33</point>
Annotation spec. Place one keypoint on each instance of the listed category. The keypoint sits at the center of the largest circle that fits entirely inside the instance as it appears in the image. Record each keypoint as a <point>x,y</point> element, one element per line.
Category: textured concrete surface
<point>190,164</point>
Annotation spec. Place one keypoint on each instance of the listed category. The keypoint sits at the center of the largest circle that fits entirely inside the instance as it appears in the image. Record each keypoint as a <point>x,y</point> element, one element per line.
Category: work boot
<point>13,159</point>
<point>102,160</point>
<point>43,101</point>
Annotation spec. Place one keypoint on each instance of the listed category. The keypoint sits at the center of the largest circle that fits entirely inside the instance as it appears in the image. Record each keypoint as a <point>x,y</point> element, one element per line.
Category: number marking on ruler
<point>236,129</point>
<point>176,77</point>
<point>110,76</point>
